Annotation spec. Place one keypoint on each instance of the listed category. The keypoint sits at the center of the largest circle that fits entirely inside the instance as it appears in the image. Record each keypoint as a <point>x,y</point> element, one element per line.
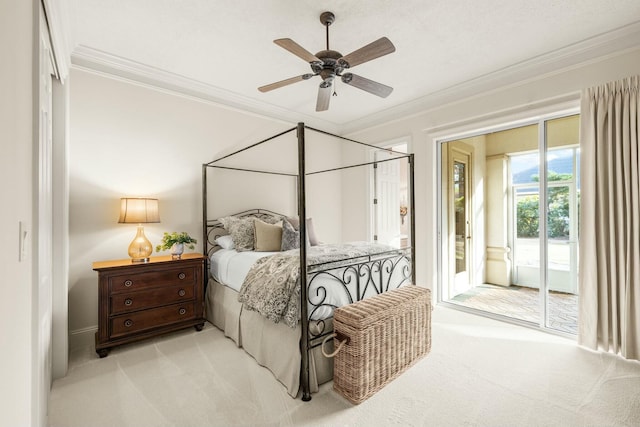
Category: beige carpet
<point>480,372</point>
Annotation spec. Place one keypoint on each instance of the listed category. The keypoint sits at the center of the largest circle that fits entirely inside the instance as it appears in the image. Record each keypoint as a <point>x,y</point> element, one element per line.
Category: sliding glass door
<point>562,190</point>
<point>509,221</point>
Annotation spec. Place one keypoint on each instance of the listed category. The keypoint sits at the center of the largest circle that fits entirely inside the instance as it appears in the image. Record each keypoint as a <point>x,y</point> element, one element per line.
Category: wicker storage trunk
<point>386,334</point>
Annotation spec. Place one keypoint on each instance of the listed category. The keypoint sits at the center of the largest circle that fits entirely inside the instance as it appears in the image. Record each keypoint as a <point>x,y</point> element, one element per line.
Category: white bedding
<point>229,267</point>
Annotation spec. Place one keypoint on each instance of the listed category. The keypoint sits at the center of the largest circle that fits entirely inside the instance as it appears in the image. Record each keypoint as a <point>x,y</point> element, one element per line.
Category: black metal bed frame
<point>356,275</point>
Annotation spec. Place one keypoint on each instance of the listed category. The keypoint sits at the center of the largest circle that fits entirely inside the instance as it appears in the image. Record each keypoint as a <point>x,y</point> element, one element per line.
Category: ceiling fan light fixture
<point>326,83</point>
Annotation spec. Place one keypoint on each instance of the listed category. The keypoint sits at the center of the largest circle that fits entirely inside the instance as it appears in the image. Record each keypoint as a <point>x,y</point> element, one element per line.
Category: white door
<point>387,198</point>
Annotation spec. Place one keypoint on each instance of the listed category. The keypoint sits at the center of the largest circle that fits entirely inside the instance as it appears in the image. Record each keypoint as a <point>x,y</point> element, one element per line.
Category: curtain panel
<point>610,218</point>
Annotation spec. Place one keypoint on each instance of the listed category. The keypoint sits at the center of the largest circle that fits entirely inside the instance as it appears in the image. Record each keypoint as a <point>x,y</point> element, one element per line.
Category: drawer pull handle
<point>128,283</point>
<point>182,311</point>
<point>181,276</point>
<point>128,301</point>
<point>182,292</point>
<point>128,323</point>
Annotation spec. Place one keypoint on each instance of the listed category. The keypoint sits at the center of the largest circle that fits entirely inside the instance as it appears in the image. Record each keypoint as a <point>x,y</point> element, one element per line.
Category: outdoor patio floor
<point>523,303</point>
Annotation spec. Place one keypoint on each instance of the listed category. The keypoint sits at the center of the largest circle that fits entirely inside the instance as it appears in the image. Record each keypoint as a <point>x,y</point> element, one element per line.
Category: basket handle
<point>341,338</point>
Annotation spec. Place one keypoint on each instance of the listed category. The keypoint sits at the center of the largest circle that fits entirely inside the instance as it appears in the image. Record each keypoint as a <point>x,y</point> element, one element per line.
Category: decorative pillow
<point>269,219</point>
<point>294,221</point>
<point>241,231</point>
<point>311,232</point>
<point>225,242</point>
<point>267,237</point>
<point>290,237</point>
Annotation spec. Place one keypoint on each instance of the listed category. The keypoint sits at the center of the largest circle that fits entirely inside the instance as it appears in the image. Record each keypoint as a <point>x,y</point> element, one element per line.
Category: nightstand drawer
<point>155,297</point>
<point>148,319</point>
<point>134,282</point>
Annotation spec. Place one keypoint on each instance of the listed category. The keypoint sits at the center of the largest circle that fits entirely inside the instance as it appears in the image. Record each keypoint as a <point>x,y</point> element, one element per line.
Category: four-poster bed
<point>328,276</point>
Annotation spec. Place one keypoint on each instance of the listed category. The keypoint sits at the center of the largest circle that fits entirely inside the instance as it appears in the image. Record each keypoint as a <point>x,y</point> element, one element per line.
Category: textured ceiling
<point>227,45</point>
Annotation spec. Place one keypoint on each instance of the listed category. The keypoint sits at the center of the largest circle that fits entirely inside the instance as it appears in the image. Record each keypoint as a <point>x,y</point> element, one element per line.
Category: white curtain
<point>610,218</point>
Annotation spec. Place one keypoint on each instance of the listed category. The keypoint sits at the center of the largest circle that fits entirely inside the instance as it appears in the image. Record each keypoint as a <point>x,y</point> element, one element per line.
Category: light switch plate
<point>22,239</point>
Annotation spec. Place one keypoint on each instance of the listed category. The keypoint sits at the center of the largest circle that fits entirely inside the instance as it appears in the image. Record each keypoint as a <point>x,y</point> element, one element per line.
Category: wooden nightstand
<point>142,300</point>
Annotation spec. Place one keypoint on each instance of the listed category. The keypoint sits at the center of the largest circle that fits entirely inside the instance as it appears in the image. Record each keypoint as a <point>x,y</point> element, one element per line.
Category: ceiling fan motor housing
<point>329,68</point>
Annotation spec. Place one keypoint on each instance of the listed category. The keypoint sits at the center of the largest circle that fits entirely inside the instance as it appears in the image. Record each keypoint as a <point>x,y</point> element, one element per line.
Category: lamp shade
<point>138,210</point>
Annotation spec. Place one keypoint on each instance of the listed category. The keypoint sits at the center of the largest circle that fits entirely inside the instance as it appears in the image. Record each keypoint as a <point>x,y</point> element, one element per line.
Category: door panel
<point>459,224</point>
<point>390,187</point>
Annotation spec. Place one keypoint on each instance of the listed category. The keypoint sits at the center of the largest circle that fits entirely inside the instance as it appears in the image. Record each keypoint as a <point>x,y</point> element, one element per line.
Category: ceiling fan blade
<point>367,85</point>
<point>285,82</point>
<point>376,49</point>
<point>324,95</point>
<point>297,50</point>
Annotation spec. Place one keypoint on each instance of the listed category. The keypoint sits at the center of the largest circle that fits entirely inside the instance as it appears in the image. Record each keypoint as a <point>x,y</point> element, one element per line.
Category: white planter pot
<point>176,250</point>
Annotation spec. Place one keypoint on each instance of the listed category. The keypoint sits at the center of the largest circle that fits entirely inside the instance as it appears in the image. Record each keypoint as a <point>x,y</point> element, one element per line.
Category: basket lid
<point>366,312</point>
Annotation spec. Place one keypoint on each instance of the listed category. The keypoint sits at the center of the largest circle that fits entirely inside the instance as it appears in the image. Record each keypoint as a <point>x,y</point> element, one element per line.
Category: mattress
<point>229,267</point>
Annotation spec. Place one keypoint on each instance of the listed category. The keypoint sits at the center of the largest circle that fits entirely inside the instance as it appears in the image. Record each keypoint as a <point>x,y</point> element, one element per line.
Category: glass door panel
<point>563,199</point>
<point>459,187</point>
<point>460,216</point>
<point>526,235</point>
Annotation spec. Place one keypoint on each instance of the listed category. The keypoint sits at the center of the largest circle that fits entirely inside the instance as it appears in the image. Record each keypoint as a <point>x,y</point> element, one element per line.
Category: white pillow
<point>225,242</point>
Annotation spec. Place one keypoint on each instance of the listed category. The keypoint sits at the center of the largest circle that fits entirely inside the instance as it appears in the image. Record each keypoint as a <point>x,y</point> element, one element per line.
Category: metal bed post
<point>304,318</point>
<point>412,201</point>
<point>205,245</point>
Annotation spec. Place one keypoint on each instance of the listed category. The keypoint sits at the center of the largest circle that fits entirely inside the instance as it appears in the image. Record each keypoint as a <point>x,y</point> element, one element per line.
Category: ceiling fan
<point>329,64</point>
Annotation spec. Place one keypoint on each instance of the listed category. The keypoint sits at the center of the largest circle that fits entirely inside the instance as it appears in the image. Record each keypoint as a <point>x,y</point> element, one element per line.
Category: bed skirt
<point>273,345</point>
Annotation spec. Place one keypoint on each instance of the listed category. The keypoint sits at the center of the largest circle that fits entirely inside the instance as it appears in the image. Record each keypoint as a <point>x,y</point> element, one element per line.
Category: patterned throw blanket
<point>272,286</point>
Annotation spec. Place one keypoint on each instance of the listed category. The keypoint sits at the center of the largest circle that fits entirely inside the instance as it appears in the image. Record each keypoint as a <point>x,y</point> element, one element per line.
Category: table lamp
<point>139,211</point>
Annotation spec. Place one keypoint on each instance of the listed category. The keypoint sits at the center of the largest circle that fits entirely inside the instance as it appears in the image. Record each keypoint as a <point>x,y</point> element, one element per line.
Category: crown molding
<point>84,57</point>
<point>596,48</point>
<point>593,49</point>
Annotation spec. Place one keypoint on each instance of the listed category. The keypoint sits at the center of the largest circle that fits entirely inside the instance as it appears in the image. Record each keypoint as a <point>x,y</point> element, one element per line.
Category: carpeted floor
<point>523,303</point>
<point>480,372</point>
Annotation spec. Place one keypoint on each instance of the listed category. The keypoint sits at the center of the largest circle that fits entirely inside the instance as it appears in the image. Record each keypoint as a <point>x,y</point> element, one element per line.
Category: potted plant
<point>175,242</point>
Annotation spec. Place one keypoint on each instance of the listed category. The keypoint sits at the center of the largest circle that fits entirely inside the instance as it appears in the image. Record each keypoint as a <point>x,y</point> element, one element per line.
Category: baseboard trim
<point>81,338</point>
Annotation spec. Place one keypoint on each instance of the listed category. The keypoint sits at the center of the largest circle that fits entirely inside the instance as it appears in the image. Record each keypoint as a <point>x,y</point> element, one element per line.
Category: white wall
<point>131,140</point>
<point>514,102</point>
<point>279,193</point>
<point>16,174</point>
